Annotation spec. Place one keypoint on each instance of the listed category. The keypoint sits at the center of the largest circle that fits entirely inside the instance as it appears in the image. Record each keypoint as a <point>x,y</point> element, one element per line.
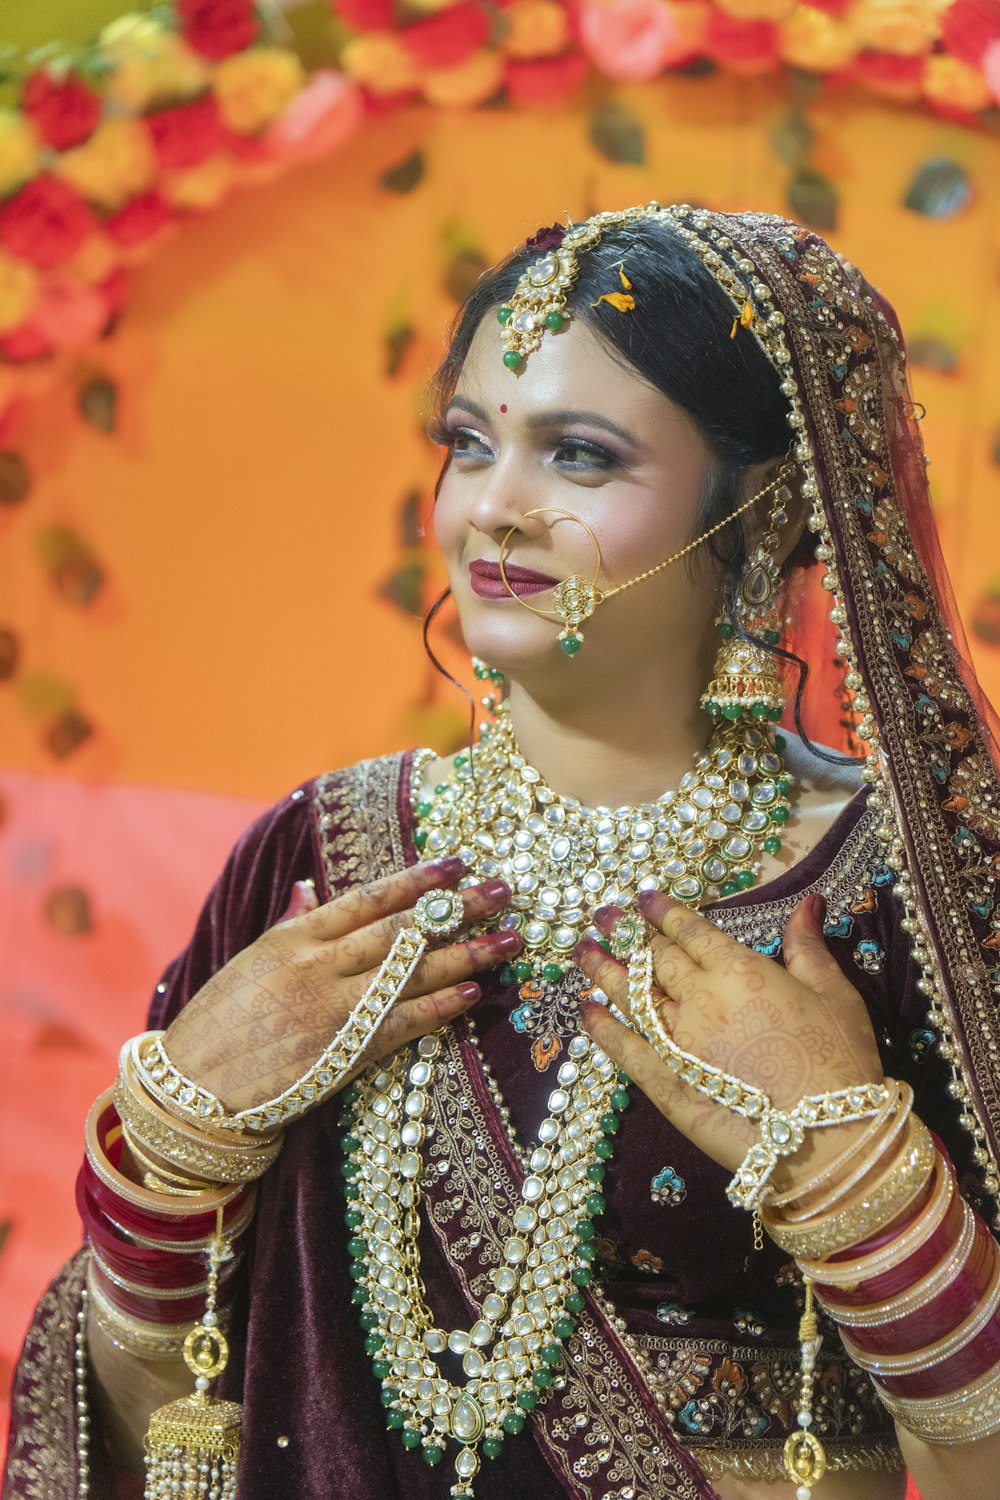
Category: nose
<point>509,490</point>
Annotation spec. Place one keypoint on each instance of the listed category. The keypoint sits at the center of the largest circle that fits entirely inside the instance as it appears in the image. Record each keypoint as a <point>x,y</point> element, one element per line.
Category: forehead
<point>572,371</point>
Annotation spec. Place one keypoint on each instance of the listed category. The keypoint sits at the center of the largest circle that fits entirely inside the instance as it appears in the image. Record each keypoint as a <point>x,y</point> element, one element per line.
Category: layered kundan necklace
<point>561,860</point>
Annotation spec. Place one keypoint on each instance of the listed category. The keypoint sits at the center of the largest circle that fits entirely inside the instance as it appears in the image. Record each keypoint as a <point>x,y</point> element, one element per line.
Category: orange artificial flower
<point>534,28</point>
<point>907,28</point>
<point>954,84</point>
<point>18,291</point>
<point>377,60</point>
<point>115,164</point>
<point>813,40</point>
<point>254,87</point>
<point>472,81</point>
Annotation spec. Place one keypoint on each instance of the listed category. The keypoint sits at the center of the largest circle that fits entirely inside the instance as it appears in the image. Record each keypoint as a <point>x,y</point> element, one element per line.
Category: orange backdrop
<point>247,514</point>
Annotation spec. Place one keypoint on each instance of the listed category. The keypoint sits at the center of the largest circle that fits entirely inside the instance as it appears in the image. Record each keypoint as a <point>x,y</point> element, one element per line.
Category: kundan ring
<point>628,932</point>
<point>438,914</point>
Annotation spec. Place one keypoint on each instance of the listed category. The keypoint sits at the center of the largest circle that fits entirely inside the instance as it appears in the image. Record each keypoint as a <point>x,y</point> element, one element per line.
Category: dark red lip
<point>487,582</point>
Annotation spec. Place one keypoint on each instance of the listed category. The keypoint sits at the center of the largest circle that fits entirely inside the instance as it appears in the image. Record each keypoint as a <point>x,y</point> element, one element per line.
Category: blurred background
<point>232,237</point>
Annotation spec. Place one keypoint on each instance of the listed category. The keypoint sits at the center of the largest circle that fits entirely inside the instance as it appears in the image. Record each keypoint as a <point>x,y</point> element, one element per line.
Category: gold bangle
<point>897,1186</point>
<point>848,1273</point>
<point>895,1113</point>
<point>916,1296</point>
<point>166,1204</point>
<point>963,1416</point>
<point>166,1181</point>
<point>919,1360</point>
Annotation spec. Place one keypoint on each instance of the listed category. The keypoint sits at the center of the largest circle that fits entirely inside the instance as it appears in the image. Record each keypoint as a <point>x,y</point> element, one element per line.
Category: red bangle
<point>153,1309</point>
<point>951,1306</point>
<point>909,1271</point>
<point>174,1226</point>
<point>978,1356</point>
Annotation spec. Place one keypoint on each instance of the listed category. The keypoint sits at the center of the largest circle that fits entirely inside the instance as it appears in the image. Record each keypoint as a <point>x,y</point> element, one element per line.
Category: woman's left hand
<point>791,1031</point>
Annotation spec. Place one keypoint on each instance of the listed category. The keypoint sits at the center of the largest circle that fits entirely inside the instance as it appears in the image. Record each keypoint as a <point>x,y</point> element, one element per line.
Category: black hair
<point>678,340</point>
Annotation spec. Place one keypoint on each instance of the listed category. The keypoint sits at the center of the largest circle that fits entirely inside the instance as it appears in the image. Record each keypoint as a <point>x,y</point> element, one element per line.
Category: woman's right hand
<point>264,1019</point>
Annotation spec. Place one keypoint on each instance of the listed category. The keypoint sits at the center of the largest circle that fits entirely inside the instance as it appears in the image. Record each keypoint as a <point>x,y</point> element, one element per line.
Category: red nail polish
<point>494,890</point>
<point>605,917</point>
<point>586,946</point>
<point>505,942</point>
<point>815,905</point>
<point>450,868</point>
<point>654,904</point>
<point>469,992</point>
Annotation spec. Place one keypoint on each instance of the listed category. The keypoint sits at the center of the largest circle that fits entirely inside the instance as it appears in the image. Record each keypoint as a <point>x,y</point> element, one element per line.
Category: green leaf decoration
<point>996,447</point>
<point>97,402</point>
<point>9,652</point>
<point>67,911</point>
<point>941,189</point>
<point>6,1225</point>
<point>812,198</point>
<point>67,734</point>
<point>73,569</point>
<point>617,134</point>
<point>462,272</point>
<point>397,341</point>
<point>792,140</point>
<point>410,526</point>
<point>44,696</point>
<point>15,479</point>
<point>405,588</point>
<point>406,174</point>
<point>985,622</point>
<point>932,353</point>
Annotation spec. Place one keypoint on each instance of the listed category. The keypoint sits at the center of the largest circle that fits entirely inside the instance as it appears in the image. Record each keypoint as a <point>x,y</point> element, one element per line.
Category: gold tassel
<point>193,1445</point>
<point>804,1455</point>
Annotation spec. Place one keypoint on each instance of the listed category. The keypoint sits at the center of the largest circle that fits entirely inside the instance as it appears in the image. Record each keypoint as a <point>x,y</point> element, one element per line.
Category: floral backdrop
<point>231,239</point>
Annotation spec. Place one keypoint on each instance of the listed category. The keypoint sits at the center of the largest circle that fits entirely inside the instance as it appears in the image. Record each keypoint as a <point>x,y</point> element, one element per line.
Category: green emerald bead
<point>576,1302</point>
<point>347,1119</point>
<point>420,838</point>
<point>759,711</point>
<point>542,1379</point>
<point>784,785</point>
<point>780,815</point>
<point>610,1123</point>
<point>771,845</point>
<point>604,1149</point>
<point>411,1437</point>
<point>585,1230</point>
<point>624,1080</point>
<point>563,1328</point>
<point>621,1099</point>
<point>552,972</point>
<point>780,742</point>
<point>507,974</point>
<point>522,971</point>
<point>349,1144</point>
<point>352,1191</point>
<point>373,1343</point>
<point>552,1353</point>
<point>595,1204</point>
<point>388,1394</point>
<point>357,1270</point>
<point>571,644</point>
<point>395,1419</point>
<point>731,711</point>
<point>728,888</point>
<point>587,1250</point>
<point>513,1423</point>
<point>349,1095</point>
<point>354,1218</point>
<point>596,1171</point>
<point>776,714</point>
<point>512,359</point>
<point>423,808</point>
<point>357,1246</point>
<point>442,786</point>
<point>349,1169</point>
<point>604,943</point>
<point>492,1447</point>
<point>554,320</point>
<point>527,1400</point>
<point>725,630</point>
<point>772,637</point>
<point>368,1320</point>
<point>381,1368</point>
<point>359,1296</point>
<point>432,1454</point>
<point>712,709</point>
<point>745,879</point>
<point>582,1276</point>
<point>504,315</point>
<point>460,761</point>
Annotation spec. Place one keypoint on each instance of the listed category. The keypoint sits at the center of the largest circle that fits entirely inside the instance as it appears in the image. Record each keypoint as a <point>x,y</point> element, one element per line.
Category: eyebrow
<point>553,419</point>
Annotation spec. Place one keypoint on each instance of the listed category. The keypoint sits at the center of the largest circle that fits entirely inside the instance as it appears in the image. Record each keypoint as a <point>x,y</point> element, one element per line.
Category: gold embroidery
<point>768,1464</point>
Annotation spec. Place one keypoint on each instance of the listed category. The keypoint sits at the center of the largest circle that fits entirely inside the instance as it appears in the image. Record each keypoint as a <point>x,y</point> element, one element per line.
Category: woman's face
<point>575,431</point>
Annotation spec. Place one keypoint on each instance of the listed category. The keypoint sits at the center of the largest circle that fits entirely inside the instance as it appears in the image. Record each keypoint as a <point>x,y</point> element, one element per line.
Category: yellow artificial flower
<point>202,186</point>
<point>814,40</point>
<point>96,259</point>
<point>18,290</point>
<point>149,64</point>
<point>948,80</point>
<point>904,27</point>
<point>535,28</point>
<point>253,87</point>
<point>115,164</point>
<point>377,60</point>
<point>18,150</point>
<point>758,10</point>
<point>472,81</point>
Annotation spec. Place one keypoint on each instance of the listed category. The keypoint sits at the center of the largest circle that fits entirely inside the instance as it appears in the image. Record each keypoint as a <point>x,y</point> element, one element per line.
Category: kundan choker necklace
<point>562,860</point>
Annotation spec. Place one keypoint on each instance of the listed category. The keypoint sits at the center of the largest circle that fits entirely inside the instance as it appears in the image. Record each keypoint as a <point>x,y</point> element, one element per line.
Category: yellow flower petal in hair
<point>620,300</point>
<point>745,319</point>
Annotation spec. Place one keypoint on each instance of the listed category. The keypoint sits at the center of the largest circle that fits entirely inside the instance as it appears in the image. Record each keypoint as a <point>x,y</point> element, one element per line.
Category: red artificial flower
<point>63,111</point>
<point>377,105</point>
<point>546,239</point>
<point>46,222</point>
<point>889,72</point>
<point>114,289</point>
<point>829,7</point>
<point>217,28</point>
<point>365,15</point>
<point>544,79</point>
<point>447,39</point>
<point>968,28</point>
<point>186,134</point>
<point>139,219</point>
<point>742,46</point>
<point>24,344</point>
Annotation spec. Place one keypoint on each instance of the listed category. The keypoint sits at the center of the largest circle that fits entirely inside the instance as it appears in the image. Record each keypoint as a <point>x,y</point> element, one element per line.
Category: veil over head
<point>877,622</point>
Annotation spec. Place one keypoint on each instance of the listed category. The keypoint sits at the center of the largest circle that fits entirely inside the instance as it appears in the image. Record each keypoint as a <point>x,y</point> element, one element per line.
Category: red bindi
<point>503,407</point>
